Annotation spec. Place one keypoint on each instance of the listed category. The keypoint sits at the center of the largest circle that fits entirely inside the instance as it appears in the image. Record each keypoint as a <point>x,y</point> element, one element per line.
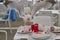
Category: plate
<point>24,32</point>
<point>40,36</point>
<point>25,29</point>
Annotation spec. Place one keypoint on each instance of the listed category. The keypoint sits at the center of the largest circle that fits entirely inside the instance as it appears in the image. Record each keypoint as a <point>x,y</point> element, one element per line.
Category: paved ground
<point>10,35</point>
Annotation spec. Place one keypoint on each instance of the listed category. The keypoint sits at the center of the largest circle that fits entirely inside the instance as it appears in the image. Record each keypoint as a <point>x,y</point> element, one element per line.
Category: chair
<point>2,12</point>
<point>4,32</point>
<point>44,20</point>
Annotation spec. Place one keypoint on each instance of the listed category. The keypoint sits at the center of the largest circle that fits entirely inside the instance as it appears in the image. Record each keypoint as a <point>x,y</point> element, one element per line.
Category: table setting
<point>32,32</point>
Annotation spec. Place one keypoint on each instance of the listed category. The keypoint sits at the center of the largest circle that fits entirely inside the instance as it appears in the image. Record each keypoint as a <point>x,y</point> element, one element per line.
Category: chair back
<point>44,20</point>
<point>2,9</point>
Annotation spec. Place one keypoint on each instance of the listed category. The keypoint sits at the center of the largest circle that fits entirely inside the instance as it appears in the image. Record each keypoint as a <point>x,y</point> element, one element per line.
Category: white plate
<point>24,32</point>
<point>23,28</point>
<point>40,36</point>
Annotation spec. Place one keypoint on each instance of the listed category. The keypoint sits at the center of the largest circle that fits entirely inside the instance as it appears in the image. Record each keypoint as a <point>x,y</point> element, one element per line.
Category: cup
<point>32,27</point>
<point>36,28</point>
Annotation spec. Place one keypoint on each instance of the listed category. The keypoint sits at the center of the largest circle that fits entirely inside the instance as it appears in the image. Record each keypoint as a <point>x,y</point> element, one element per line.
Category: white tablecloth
<point>18,36</point>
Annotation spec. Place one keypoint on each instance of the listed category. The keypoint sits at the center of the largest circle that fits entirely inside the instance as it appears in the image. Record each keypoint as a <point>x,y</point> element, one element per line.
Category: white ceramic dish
<point>40,36</point>
<point>25,32</point>
<point>25,28</point>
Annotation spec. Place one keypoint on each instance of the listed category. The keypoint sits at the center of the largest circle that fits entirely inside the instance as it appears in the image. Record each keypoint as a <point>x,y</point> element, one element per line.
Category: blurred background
<point>33,5</point>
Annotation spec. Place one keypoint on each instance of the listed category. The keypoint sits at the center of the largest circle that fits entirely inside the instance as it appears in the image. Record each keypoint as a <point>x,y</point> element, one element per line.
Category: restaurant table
<point>20,35</point>
<point>27,36</point>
